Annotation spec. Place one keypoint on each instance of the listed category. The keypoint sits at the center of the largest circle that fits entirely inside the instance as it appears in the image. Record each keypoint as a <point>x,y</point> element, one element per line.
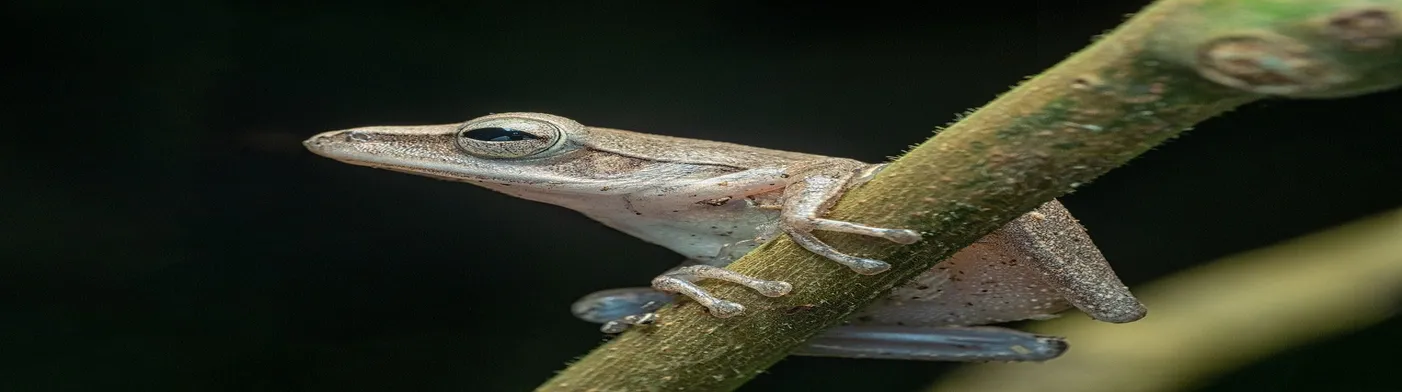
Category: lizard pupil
<point>497,134</point>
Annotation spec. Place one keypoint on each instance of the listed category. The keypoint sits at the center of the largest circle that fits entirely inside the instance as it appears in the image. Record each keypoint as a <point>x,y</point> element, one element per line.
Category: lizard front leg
<point>807,199</point>
<point>808,192</point>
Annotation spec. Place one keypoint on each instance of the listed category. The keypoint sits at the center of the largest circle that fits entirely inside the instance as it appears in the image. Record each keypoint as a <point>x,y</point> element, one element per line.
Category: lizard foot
<point>682,280</point>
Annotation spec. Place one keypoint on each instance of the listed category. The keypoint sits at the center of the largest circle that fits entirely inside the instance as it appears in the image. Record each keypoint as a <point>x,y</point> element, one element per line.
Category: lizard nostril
<point>315,141</point>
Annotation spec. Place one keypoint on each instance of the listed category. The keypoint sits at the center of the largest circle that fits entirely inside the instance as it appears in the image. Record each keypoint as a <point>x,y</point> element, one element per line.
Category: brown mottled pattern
<point>1033,267</point>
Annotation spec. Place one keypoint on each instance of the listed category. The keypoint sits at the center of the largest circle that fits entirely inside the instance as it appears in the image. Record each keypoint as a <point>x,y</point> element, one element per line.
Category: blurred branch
<point>1219,317</point>
<point>1175,64</point>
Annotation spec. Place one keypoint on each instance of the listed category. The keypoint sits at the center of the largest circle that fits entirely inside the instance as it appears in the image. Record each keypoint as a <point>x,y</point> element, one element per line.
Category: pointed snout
<point>326,143</point>
<point>320,142</point>
<point>380,141</point>
<point>426,150</point>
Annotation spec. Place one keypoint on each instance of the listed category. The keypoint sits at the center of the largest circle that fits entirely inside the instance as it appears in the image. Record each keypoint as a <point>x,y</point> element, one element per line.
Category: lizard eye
<point>507,137</point>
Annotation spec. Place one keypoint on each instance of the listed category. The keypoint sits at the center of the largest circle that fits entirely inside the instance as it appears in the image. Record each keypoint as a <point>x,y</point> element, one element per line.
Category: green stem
<point>1133,89</point>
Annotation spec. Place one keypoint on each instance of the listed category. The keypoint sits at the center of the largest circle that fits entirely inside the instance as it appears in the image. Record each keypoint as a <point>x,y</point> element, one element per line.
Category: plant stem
<point>1173,65</point>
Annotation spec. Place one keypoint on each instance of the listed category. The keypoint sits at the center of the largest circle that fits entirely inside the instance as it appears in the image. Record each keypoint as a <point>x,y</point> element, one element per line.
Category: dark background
<point>164,230</point>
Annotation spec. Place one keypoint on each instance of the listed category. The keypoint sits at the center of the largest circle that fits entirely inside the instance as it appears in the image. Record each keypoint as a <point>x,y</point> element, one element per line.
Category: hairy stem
<point>1173,65</point>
